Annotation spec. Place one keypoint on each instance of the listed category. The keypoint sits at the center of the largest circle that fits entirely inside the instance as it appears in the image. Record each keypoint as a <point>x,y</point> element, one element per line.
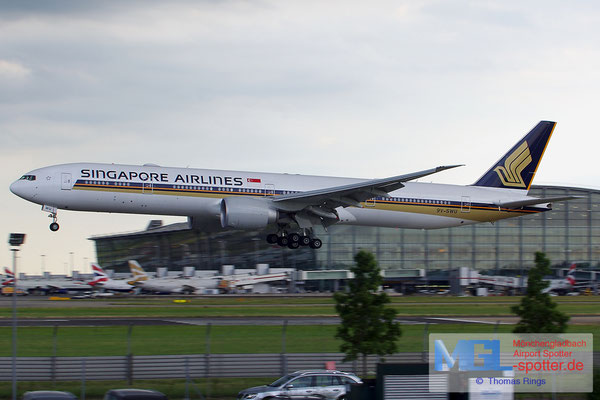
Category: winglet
<point>517,168</point>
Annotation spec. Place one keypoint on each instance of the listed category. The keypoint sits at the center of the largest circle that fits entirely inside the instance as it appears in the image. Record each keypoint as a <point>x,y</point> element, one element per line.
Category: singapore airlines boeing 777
<point>293,204</point>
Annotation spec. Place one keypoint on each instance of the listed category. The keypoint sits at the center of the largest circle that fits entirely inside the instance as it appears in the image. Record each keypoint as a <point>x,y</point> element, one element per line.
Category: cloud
<point>10,70</point>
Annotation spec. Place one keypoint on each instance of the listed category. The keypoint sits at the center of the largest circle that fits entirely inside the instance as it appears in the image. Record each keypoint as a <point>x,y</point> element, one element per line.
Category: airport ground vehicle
<point>134,394</point>
<point>49,395</point>
<point>308,384</point>
<point>8,291</point>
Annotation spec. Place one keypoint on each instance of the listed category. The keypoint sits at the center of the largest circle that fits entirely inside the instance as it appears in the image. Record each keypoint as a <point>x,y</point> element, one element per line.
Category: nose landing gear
<point>54,225</point>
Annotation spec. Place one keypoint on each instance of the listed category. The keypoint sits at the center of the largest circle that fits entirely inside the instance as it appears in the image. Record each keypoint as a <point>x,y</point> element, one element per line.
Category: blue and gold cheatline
<point>453,209</point>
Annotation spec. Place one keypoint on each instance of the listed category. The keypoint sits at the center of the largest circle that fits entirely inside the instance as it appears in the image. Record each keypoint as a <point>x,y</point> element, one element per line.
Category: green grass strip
<point>177,339</point>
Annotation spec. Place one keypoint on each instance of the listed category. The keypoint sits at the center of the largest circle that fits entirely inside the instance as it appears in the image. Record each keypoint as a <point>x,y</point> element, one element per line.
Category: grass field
<point>188,339</point>
<point>286,306</point>
<point>178,339</point>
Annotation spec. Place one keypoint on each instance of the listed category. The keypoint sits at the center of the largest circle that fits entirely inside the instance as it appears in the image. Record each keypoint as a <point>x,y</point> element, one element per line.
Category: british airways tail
<point>99,275</point>
<point>517,168</point>
<point>10,277</point>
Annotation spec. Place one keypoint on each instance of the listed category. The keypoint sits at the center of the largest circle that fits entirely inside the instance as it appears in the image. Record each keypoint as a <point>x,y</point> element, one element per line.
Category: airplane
<point>169,285</point>
<point>567,285</point>
<point>102,280</point>
<point>293,205</point>
<point>45,285</point>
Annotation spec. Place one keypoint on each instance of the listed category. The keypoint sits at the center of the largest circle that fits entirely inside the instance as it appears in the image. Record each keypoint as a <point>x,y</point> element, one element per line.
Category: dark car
<point>49,395</point>
<point>134,394</point>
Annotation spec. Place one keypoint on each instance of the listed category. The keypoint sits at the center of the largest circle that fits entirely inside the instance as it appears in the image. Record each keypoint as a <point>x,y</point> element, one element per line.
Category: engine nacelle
<point>246,213</point>
<point>208,218</point>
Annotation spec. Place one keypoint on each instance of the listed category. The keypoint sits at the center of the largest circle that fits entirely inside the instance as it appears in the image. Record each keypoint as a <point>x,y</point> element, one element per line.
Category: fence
<point>180,366</point>
<point>186,366</point>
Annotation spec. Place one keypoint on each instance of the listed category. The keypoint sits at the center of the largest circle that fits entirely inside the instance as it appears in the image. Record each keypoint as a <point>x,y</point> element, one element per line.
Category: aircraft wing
<point>352,194</point>
<point>535,201</point>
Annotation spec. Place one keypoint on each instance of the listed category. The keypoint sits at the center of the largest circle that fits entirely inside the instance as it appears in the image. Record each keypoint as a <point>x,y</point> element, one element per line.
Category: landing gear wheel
<point>304,241</point>
<point>293,245</point>
<point>282,241</point>
<point>294,237</point>
<point>316,243</point>
<point>272,238</point>
<point>54,226</point>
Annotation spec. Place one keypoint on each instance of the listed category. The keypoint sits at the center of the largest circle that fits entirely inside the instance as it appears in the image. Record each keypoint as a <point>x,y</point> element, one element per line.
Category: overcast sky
<point>348,88</point>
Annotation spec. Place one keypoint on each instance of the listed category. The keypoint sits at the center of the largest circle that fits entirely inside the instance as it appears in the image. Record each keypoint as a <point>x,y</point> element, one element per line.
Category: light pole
<point>15,240</point>
<point>43,264</point>
<point>71,254</point>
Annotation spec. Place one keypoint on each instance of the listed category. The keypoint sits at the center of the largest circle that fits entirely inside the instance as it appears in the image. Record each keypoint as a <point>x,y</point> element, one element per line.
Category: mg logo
<point>484,353</point>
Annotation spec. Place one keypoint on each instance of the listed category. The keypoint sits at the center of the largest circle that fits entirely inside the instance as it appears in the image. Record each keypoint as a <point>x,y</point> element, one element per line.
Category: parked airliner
<point>169,285</point>
<point>293,204</point>
<point>103,281</point>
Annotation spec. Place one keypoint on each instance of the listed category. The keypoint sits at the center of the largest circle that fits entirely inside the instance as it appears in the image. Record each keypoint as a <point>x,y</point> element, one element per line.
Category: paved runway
<point>273,321</point>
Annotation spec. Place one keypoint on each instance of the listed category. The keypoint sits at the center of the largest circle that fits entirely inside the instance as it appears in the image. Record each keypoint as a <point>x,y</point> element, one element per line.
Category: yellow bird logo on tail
<point>510,173</point>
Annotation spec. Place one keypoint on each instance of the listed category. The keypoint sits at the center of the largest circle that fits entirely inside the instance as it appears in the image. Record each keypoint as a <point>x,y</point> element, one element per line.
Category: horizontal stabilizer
<point>533,202</point>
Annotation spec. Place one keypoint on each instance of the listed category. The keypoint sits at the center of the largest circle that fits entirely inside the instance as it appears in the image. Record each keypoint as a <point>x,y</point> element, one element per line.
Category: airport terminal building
<point>569,233</point>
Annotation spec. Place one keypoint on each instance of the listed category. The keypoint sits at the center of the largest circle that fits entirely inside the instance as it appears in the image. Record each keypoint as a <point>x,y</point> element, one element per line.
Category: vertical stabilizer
<point>517,168</point>
<point>571,275</point>
<point>137,271</point>
<point>99,275</point>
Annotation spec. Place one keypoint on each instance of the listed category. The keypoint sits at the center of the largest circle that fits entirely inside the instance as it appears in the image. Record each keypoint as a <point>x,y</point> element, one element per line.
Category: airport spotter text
<point>161,177</point>
<point>545,353</point>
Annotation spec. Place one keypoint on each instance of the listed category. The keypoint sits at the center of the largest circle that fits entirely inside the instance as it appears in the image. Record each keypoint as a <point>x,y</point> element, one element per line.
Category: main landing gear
<point>294,240</point>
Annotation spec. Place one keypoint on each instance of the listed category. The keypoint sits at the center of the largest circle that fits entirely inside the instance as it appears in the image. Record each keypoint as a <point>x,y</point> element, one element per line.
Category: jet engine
<point>246,213</point>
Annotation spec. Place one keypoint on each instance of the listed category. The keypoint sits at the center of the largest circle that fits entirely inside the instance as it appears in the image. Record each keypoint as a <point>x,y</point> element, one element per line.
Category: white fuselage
<point>178,285</point>
<point>191,192</point>
<point>118,285</point>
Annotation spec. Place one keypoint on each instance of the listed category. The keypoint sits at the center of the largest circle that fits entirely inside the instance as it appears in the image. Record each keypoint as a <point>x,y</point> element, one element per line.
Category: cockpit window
<point>28,178</point>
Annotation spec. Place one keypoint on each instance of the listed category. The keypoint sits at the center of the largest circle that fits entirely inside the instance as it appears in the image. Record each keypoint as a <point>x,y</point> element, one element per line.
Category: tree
<point>367,325</point>
<point>537,310</point>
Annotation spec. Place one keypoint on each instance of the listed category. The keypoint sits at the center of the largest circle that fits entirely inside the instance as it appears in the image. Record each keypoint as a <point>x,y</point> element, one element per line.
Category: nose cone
<point>22,189</point>
<point>16,188</point>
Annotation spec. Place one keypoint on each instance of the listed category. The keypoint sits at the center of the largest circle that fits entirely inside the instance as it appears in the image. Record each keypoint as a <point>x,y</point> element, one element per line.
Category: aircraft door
<point>269,189</point>
<point>66,181</point>
<point>147,188</point>
<point>465,204</point>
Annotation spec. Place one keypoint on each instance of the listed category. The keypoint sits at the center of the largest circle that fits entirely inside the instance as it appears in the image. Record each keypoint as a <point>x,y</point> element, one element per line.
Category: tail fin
<point>571,275</point>
<point>10,277</point>
<point>137,271</point>
<point>516,169</point>
<point>99,275</point>
<point>98,271</point>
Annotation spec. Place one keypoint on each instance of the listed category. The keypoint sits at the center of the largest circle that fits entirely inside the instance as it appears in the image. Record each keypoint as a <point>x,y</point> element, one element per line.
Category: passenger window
<point>305,381</point>
<point>325,380</point>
